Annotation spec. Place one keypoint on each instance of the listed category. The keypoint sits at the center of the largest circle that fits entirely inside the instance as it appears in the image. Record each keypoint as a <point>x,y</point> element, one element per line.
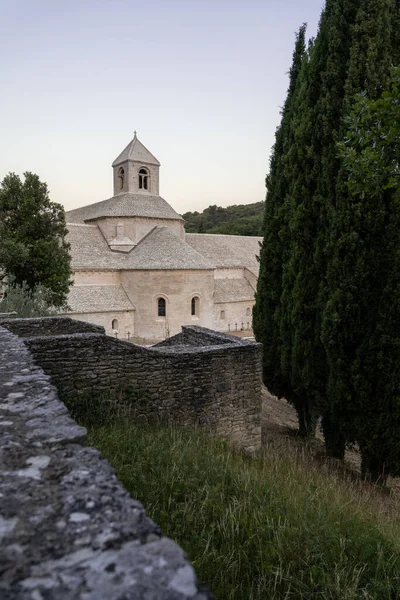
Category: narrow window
<point>161,307</point>
<point>144,179</point>
<point>121,175</point>
<point>114,324</point>
<point>195,306</point>
<point>222,315</point>
<point>248,312</point>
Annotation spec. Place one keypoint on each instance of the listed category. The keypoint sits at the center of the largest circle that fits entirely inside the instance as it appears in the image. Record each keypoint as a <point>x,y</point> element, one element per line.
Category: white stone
<point>78,517</point>
<point>37,464</point>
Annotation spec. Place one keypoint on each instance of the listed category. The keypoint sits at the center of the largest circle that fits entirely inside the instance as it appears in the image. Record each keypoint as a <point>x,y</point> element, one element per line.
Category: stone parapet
<point>199,378</point>
<point>68,529</point>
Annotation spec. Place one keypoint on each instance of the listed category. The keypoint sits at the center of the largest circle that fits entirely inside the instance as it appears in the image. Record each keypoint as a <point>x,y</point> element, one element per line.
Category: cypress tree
<point>361,316</point>
<point>266,312</point>
<point>307,309</point>
<point>313,166</point>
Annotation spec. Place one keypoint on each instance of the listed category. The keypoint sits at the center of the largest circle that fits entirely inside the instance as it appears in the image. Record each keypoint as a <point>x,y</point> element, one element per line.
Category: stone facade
<point>137,241</point>
<point>199,378</point>
<point>177,288</point>
<point>68,529</point>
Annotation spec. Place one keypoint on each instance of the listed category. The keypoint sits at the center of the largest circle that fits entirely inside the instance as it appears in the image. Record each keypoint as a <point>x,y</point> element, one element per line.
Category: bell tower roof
<point>136,152</point>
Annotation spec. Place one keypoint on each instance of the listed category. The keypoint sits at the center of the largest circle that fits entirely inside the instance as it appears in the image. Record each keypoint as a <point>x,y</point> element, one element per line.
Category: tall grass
<point>276,527</point>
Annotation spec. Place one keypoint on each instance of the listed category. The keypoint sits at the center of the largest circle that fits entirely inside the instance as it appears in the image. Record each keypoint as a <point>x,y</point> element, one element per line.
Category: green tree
<point>314,167</point>
<point>361,329</point>
<point>356,42</point>
<point>32,237</point>
<point>267,312</point>
<point>374,47</point>
<point>238,219</point>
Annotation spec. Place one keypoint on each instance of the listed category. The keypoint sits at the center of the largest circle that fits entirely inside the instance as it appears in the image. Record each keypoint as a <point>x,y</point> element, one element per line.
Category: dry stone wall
<point>199,378</point>
<point>68,529</point>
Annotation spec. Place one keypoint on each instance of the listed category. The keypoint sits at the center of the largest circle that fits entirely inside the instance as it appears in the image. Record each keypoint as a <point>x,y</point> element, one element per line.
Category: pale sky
<point>202,82</point>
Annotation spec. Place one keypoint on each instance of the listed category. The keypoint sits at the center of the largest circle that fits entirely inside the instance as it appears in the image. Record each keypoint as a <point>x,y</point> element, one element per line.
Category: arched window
<point>161,307</point>
<point>144,179</point>
<point>248,312</point>
<point>195,306</point>
<point>114,324</point>
<point>121,175</point>
<point>222,315</point>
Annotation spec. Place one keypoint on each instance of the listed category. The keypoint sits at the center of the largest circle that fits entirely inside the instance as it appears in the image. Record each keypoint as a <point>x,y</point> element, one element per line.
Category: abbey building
<point>137,272</point>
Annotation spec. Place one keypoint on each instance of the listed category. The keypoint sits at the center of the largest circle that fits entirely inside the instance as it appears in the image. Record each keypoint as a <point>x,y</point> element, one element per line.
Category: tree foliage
<point>361,329</point>
<point>238,219</point>
<point>267,312</point>
<point>20,301</point>
<point>356,43</point>
<point>32,237</point>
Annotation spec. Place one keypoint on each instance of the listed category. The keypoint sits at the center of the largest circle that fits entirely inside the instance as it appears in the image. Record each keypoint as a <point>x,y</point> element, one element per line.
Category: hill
<point>238,219</point>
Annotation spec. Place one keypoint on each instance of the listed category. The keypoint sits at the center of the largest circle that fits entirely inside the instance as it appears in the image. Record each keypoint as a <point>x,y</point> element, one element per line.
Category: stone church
<point>137,273</point>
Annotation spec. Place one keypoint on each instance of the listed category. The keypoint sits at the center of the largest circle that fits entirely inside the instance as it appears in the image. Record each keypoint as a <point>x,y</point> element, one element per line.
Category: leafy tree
<point>32,237</point>
<point>361,329</point>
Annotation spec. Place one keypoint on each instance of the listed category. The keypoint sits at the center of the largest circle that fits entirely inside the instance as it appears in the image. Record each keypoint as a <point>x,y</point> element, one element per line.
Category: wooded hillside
<point>239,219</point>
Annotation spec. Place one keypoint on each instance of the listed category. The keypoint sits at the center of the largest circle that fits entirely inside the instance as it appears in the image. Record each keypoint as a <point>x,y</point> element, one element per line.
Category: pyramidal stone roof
<point>124,205</point>
<point>160,249</point>
<point>135,151</point>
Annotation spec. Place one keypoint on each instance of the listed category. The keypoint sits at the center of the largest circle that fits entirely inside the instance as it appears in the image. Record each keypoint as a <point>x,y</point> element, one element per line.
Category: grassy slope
<point>276,527</point>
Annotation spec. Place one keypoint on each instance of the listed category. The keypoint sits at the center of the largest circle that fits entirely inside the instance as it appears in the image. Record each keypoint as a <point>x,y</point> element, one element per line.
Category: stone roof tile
<point>159,249</point>
<point>232,290</point>
<point>227,250</point>
<point>137,152</point>
<point>162,249</point>
<point>124,205</point>
<point>89,249</point>
<point>98,298</point>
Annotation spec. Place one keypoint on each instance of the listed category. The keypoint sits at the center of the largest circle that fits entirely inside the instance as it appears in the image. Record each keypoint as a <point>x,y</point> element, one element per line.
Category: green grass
<point>275,527</point>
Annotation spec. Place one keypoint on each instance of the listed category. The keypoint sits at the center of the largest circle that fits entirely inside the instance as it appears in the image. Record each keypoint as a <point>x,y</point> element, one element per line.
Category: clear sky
<point>202,82</point>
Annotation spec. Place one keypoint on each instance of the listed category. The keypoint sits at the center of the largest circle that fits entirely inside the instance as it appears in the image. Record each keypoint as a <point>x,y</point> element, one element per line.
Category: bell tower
<point>136,171</point>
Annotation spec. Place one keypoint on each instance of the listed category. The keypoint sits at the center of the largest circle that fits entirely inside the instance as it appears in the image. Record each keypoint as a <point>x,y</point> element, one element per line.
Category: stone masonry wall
<point>48,326</point>
<point>200,378</point>
<point>68,529</point>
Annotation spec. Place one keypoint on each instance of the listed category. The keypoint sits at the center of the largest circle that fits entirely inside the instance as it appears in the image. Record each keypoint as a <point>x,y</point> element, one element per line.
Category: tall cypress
<point>266,312</point>
<point>356,42</point>
<point>361,317</point>
<point>313,166</point>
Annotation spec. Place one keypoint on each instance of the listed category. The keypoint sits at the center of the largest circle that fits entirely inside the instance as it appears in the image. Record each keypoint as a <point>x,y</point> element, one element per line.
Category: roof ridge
<point>80,224</point>
<point>146,236</point>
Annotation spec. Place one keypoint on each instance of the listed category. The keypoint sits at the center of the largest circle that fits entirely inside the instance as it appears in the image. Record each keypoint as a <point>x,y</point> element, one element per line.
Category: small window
<point>248,312</point>
<point>161,307</point>
<point>144,179</point>
<point>114,324</point>
<point>195,304</point>
<point>222,315</point>
<point>121,175</point>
